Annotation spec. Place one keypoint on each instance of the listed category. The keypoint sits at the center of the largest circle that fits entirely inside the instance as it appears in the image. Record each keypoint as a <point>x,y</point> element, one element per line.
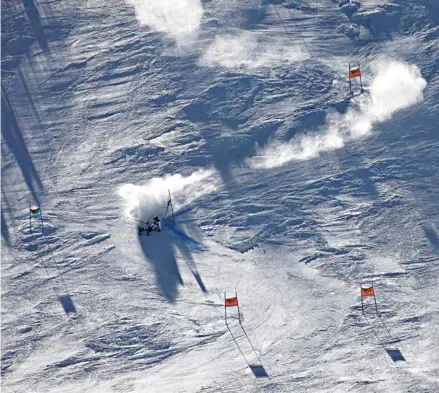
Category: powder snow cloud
<point>395,86</point>
<point>142,202</point>
<point>180,19</point>
<point>250,50</point>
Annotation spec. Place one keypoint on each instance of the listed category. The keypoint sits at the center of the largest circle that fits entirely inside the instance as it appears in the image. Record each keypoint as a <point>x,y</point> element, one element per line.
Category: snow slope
<point>285,189</point>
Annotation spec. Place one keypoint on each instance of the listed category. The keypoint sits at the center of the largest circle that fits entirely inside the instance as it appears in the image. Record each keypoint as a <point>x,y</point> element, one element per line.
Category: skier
<point>150,226</point>
<point>143,229</point>
<point>154,226</point>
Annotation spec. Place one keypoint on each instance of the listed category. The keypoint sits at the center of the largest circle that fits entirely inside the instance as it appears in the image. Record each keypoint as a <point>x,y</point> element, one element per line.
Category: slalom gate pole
<point>41,221</point>
<point>361,83</point>
<point>374,295</point>
<point>225,310</point>
<point>239,311</point>
<point>172,207</point>
<point>30,219</point>
<point>349,76</point>
<point>376,305</point>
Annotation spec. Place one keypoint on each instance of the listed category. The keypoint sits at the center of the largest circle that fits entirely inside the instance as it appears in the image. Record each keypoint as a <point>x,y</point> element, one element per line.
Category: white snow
<point>285,189</point>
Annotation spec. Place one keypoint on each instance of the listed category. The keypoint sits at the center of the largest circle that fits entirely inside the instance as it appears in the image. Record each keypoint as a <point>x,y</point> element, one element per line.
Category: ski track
<point>93,100</point>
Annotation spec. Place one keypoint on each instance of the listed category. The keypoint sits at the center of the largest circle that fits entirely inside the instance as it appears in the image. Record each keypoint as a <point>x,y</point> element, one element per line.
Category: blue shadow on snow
<point>67,304</point>
<point>5,230</point>
<point>255,366</point>
<point>34,18</point>
<point>159,249</point>
<point>395,354</point>
<point>258,370</point>
<point>13,138</point>
<point>431,235</point>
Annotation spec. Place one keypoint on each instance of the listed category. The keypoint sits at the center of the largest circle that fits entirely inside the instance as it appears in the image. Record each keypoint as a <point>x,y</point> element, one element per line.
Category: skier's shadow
<point>187,255</point>
<point>185,244</point>
<point>159,249</point>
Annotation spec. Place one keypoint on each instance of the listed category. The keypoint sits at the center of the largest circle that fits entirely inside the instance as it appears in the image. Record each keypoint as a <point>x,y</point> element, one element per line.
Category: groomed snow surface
<point>285,189</point>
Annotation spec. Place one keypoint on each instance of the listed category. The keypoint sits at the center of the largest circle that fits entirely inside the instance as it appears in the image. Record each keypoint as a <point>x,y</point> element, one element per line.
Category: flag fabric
<point>367,292</point>
<point>34,211</point>
<point>169,202</point>
<point>354,73</point>
<point>231,302</point>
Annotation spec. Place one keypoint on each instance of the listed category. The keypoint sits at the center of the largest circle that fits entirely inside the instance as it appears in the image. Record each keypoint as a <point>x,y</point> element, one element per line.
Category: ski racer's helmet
<point>156,219</point>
